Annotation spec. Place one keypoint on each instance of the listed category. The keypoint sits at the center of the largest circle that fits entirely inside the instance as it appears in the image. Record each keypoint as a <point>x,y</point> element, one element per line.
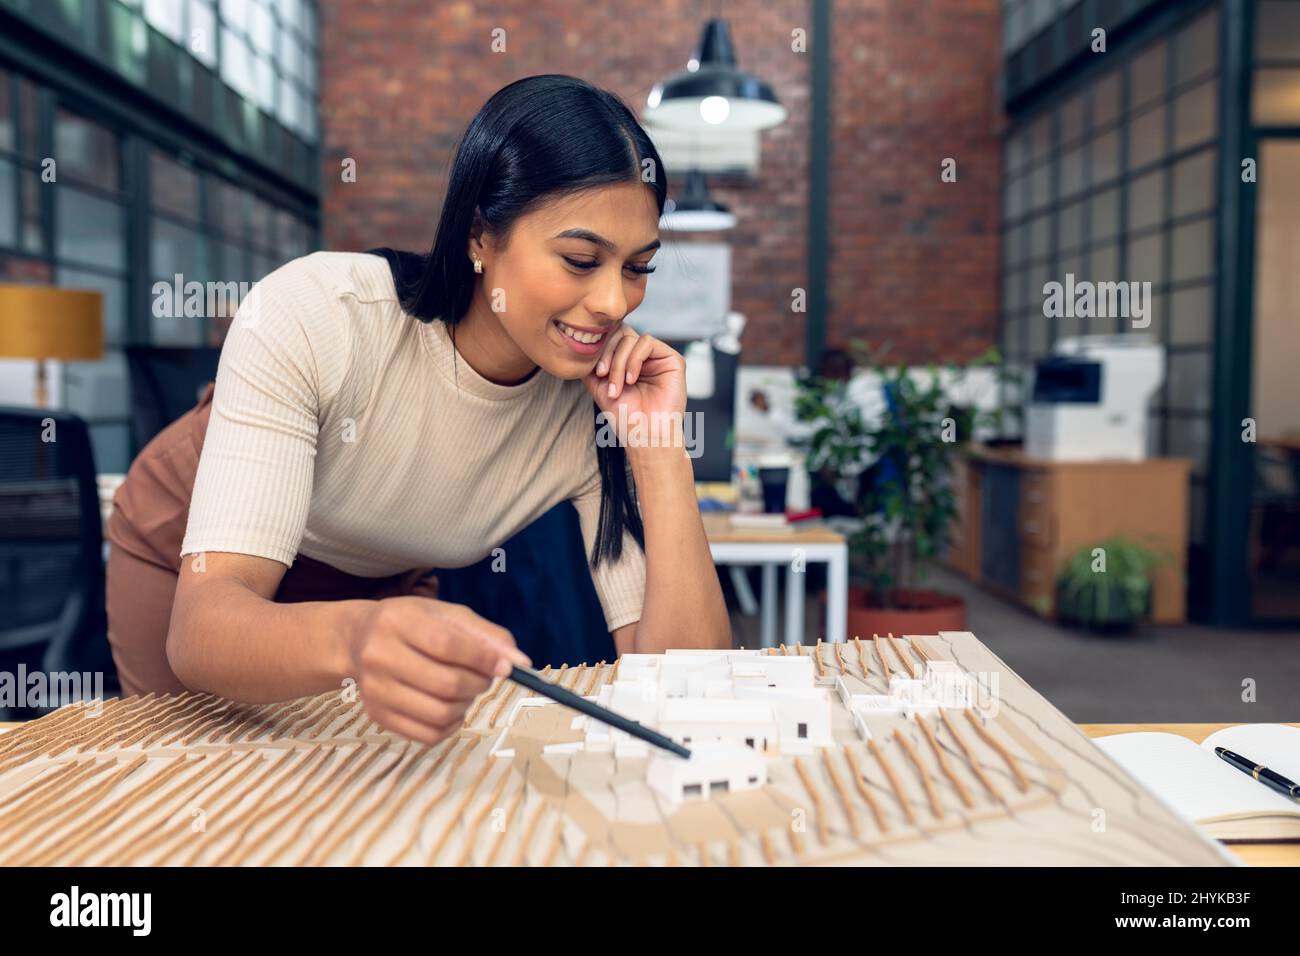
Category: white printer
<point>1090,398</point>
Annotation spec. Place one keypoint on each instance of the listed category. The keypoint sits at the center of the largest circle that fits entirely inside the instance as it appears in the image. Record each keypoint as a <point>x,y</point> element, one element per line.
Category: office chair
<point>51,551</point>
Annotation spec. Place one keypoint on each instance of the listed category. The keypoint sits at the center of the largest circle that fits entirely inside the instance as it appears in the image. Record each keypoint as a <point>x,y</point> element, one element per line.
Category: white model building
<point>942,685</point>
<point>712,769</point>
<point>765,703</point>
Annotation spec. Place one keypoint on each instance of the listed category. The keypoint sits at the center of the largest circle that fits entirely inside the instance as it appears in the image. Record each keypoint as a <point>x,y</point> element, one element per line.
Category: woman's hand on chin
<point>639,381</point>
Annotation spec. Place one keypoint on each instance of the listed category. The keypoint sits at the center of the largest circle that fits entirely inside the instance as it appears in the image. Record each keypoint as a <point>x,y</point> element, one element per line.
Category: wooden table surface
<point>718,528</point>
<point>1255,854</point>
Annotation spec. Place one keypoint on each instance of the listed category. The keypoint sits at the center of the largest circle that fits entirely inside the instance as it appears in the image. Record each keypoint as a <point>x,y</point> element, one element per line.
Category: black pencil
<point>535,681</point>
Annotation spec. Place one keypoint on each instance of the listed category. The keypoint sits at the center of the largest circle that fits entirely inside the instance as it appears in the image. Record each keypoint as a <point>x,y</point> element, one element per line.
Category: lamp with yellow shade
<point>44,322</point>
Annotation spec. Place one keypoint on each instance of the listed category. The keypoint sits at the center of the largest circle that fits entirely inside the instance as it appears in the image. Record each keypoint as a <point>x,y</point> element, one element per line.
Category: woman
<point>372,420</point>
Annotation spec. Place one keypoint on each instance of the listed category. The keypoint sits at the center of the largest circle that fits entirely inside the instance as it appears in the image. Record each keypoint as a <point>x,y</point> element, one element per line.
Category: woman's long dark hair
<point>540,138</point>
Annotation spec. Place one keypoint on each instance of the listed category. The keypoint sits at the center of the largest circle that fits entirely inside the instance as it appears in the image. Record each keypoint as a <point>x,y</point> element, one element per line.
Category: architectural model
<point>913,750</point>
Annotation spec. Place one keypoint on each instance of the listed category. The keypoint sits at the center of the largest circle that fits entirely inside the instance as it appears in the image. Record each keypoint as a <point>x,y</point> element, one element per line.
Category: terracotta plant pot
<point>914,612</point>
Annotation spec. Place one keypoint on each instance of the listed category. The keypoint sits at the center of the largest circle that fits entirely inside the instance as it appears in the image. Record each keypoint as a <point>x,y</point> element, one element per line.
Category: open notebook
<point>1228,804</point>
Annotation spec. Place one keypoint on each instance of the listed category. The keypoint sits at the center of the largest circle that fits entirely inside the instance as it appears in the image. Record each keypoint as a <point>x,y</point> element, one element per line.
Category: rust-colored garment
<point>150,510</point>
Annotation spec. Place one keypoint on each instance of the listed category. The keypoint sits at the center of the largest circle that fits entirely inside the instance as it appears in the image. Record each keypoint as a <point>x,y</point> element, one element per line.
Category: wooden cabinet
<point>1021,519</point>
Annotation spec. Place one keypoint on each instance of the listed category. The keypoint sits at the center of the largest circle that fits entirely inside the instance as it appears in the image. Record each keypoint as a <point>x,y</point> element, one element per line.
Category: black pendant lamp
<point>712,92</point>
<point>695,210</point>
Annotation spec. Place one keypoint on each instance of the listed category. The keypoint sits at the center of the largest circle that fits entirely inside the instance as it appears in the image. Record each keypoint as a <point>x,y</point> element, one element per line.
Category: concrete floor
<point>1187,674</point>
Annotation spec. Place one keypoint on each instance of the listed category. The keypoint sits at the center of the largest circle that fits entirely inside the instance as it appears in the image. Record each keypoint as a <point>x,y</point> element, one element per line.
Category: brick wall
<point>913,260</point>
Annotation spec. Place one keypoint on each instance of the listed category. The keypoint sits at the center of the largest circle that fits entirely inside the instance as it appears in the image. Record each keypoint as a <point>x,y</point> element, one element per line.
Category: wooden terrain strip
<point>324,722</point>
<point>316,759</point>
<point>816,799</point>
<point>212,709</point>
<point>187,787</point>
<point>179,713</point>
<point>27,735</point>
<point>68,810</point>
<point>839,657</point>
<point>141,718</point>
<point>300,718</point>
<point>359,715</point>
<point>862,658</point>
<point>467,851</point>
<point>796,842</point>
<point>289,714</point>
<point>248,783</point>
<point>893,781</point>
<point>316,853</point>
<point>817,657</point>
<point>396,806</point>
<point>162,835</point>
<point>304,818</point>
<point>1021,780</point>
<point>394,774</point>
<point>53,790</point>
<point>943,762</point>
<point>61,818</point>
<point>864,791</point>
<point>838,785</point>
<point>505,701</point>
<point>249,759</point>
<point>488,696</point>
<point>505,823</point>
<point>42,780</point>
<point>880,653</point>
<point>522,853</point>
<point>483,700</point>
<point>437,798</point>
<point>971,760</point>
<point>907,664</point>
<point>581,858</point>
<point>249,721</point>
<point>553,850</point>
<point>920,650</point>
<point>460,809</point>
<point>595,676</point>
<point>935,807</point>
<point>86,738</point>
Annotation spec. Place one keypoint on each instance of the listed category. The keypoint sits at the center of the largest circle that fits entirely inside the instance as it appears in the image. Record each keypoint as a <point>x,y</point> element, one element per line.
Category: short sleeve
<point>620,585</point>
<point>283,355</point>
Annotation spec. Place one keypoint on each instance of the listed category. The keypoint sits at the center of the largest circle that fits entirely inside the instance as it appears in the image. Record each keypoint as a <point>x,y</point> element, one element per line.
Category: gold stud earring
<point>478,266</point>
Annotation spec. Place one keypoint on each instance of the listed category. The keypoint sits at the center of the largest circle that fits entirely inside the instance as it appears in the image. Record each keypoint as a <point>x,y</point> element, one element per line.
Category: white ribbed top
<point>340,430</point>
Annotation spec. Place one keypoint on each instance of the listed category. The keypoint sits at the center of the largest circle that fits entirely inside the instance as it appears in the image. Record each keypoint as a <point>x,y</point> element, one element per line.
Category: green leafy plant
<point>905,513</point>
<point>1107,585</point>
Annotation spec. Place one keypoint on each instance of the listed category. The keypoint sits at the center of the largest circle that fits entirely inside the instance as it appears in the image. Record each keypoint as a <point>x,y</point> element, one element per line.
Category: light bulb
<point>715,109</point>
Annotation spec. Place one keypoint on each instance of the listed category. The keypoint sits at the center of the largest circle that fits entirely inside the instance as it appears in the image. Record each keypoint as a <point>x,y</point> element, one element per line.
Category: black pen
<point>1269,778</point>
<point>535,681</point>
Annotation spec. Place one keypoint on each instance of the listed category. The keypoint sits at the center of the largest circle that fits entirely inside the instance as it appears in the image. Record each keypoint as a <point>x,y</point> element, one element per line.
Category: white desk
<point>796,550</point>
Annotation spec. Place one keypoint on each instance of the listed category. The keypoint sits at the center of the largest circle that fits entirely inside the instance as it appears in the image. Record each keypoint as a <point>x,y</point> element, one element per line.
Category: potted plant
<point>904,506</point>
<point>1106,587</point>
